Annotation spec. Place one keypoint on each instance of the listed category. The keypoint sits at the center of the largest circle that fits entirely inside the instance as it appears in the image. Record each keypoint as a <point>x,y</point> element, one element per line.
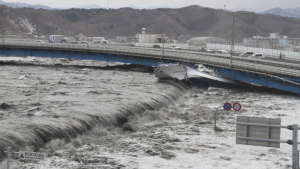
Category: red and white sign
<point>236,106</point>
<point>31,155</point>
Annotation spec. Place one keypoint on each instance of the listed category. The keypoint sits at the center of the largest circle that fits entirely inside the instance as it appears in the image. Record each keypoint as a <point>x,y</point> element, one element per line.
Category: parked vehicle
<point>57,39</point>
<point>222,52</point>
<point>100,41</point>
<point>246,54</point>
<point>157,46</point>
<point>173,46</point>
<point>132,45</point>
<point>257,56</point>
<point>39,41</point>
<point>74,42</point>
<point>206,50</point>
<point>83,42</point>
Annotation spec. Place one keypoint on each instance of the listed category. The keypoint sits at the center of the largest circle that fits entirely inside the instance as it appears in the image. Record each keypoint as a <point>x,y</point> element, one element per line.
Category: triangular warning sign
<point>21,156</point>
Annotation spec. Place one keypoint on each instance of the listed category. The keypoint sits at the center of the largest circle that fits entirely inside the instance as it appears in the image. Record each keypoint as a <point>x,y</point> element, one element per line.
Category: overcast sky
<point>254,5</point>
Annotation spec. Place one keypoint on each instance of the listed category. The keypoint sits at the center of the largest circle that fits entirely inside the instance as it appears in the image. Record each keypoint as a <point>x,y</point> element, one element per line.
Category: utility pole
<point>3,37</point>
<point>163,44</point>
<point>164,34</point>
<point>232,40</point>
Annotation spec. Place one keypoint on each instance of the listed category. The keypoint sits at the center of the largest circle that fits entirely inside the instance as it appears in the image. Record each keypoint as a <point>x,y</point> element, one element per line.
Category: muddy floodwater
<point>110,115</point>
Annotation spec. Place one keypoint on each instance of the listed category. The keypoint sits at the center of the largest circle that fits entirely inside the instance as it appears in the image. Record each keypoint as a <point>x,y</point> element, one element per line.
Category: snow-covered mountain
<point>90,6</point>
<point>288,12</point>
<point>22,5</point>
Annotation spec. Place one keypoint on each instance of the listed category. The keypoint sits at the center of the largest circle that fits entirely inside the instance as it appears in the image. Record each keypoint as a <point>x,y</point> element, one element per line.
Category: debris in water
<point>24,77</point>
<point>4,106</point>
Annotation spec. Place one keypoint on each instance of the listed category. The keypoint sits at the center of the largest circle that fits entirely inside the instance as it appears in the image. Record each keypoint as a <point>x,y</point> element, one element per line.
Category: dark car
<point>132,45</point>
<point>157,46</point>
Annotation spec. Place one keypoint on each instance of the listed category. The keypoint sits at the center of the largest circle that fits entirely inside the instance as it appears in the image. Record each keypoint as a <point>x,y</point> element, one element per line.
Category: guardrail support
<point>216,117</point>
<point>294,142</point>
<point>8,154</point>
<point>295,147</point>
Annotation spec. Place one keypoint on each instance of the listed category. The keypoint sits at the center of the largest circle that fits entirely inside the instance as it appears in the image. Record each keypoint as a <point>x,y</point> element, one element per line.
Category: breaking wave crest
<point>21,133</point>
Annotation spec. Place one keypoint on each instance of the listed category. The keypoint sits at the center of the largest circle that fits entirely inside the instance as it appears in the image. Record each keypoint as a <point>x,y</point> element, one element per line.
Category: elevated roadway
<point>275,74</point>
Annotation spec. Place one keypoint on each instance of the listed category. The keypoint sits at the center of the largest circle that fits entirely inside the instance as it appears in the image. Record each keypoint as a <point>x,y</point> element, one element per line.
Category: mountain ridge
<point>287,12</point>
<point>187,22</point>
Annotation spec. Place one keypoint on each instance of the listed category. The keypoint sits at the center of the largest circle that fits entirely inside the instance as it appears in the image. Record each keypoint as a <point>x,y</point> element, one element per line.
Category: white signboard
<point>258,132</point>
<point>31,155</point>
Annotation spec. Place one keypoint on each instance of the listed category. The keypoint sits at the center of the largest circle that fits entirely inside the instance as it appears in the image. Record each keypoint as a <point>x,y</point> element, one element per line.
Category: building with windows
<point>202,41</point>
<point>151,38</point>
<point>274,41</point>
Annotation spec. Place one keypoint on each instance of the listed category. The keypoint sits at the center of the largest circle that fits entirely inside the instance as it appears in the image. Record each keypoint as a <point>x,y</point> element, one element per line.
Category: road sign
<point>227,106</point>
<point>258,131</point>
<point>236,106</point>
<point>266,132</point>
<point>31,155</point>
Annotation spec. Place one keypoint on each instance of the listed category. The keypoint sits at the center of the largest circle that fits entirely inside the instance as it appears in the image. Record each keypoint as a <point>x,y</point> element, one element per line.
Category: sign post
<point>31,155</point>
<point>266,132</point>
<point>295,147</point>
<point>227,107</point>
<point>25,155</point>
<point>8,154</point>
<point>216,118</point>
<point>8,149</point>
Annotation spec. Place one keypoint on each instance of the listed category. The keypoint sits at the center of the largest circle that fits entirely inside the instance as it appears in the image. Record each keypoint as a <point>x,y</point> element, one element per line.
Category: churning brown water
<point>42,99</point>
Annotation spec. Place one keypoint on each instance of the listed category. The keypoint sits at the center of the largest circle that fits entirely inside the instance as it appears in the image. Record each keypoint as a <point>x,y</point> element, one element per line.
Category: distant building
<point>274,41</point>
<point>125,39</point>
<point>203,41</point>
<point>121,39</point>
<point>151,38</point>
<point>80,37</point>
<point>181,38</point>
<point>274,35</point>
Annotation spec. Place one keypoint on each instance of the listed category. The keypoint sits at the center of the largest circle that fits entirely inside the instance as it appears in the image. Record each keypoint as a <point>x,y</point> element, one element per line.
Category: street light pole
<point>4,12</point>
<point>232,40</point>
<point>88,30</point>
<point>164,34</point>
<point>163,44</point>
<point>3,37</point>
<point>128,39</point>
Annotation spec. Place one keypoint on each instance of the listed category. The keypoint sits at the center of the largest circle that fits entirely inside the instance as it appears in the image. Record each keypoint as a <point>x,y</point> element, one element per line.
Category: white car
<point>176,48</point>
<point>246,54</point>
<point>39,41</point>
<point>83,42</point>
<point>257,56</point>
<point>173,46</point>
<point>74,42</point>
<point>222,52</point>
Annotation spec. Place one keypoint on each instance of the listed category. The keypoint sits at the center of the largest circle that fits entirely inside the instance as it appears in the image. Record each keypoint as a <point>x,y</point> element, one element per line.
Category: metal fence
<point>272,53</point>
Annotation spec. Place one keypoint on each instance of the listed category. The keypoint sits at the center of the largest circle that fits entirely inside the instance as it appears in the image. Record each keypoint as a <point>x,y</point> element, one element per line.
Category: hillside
<point>191,21</point>
<point>288,12</point>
